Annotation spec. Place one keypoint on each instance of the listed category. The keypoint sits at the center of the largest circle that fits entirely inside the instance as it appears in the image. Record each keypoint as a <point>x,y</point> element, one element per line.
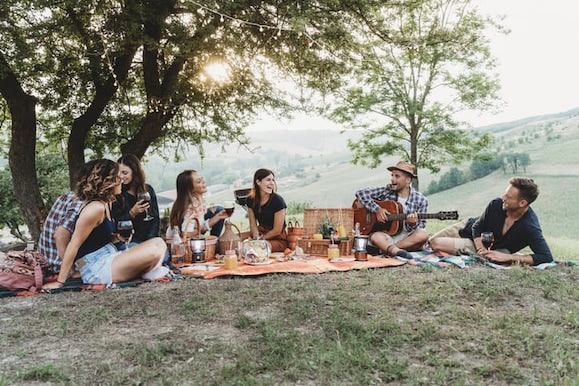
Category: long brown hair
<point>97,181</point>
<point>184,186</point>
<point>139,178</point>
<point>255,193</point>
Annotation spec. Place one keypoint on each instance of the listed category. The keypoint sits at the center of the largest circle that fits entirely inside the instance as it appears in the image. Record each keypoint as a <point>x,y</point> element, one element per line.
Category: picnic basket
<point>320,247</point>
<point>210,241</point>
<point>313,218</point>
<point>294,232</point>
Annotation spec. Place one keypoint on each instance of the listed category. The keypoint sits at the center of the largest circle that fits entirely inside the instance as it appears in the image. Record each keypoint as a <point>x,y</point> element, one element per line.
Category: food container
<point>255,251</point>
<point>320,247</point>
<point>333,251</point>
<point>230,259</point>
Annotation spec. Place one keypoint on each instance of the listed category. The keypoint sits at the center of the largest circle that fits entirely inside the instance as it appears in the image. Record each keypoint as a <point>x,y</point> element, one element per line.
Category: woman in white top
<point>190,190</point>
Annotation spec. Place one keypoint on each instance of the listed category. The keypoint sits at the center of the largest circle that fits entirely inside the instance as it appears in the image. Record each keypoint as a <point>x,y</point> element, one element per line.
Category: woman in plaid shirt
<point>413,234</point>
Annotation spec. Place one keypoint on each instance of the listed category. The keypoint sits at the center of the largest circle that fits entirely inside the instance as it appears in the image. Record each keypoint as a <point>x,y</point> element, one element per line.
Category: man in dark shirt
<point>513,223</point>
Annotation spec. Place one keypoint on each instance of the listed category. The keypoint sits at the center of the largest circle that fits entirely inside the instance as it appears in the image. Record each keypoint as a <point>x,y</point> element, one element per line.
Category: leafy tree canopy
<point>417,67</point>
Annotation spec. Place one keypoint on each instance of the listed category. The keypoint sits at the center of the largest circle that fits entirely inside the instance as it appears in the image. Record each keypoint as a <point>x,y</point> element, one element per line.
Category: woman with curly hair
<point>91,247</point>
<point>129,206</point>
<point>190,190</point>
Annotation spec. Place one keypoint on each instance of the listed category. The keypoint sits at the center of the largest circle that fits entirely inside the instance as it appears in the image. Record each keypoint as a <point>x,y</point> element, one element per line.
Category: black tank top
<point>99,237</point>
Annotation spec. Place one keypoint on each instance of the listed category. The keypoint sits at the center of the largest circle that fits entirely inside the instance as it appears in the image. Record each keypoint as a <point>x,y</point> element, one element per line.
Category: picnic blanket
<point>320,264</point>
<point>315,264</point>
<point>442,259</point>
<point>74,285</point>
<point>211,270</point>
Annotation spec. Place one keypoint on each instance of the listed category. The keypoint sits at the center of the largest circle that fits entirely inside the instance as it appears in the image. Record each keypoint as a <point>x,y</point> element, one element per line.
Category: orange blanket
<point>316,265</point>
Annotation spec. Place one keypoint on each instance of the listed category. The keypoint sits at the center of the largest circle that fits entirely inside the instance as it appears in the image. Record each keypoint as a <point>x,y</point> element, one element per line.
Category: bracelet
<point>60,282</point>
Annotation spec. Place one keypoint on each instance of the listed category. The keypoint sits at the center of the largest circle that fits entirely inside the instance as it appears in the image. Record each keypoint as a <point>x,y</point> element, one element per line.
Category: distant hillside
<point>330,180</point>
<point>499,127</point>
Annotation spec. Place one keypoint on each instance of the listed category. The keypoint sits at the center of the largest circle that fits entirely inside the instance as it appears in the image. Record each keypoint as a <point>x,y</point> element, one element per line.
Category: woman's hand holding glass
<point>145,197</point>
<point>125,231</point>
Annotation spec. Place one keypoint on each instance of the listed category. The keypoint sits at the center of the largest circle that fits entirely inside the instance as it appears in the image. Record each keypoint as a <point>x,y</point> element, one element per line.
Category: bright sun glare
<point>219,72</point>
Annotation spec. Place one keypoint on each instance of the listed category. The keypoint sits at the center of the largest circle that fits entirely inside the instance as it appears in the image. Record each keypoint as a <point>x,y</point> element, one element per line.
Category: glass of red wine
<point>229,208</point>
<point>146,197</point>
<point>125,230</point>
<point>488,239</point>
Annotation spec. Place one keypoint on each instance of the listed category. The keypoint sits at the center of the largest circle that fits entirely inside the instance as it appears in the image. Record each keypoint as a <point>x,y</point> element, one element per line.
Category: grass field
<point>400,326</point>
<point>408,325</point>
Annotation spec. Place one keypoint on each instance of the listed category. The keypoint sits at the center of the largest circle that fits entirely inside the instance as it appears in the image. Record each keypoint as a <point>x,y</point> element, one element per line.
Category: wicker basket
<point>313,218</point>
<point>210,242</point>
<point>320,247</point>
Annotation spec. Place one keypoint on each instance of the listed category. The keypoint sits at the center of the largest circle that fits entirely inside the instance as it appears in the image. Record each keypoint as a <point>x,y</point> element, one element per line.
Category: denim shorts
<point>96,267</point>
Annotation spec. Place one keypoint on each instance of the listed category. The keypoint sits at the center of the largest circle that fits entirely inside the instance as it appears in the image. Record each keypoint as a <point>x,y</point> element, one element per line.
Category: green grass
<point>408,325</point>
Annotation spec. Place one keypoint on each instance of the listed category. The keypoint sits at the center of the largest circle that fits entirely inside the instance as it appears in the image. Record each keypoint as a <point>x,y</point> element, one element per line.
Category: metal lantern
<point>197,245</point>
<point>360,244</point>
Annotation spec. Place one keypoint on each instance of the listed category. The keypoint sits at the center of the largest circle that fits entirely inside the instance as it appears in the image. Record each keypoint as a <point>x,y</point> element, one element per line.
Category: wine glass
<point>229,208</point>
<point>125,230</point>
<point>488,239</point>
<point>146,197</point>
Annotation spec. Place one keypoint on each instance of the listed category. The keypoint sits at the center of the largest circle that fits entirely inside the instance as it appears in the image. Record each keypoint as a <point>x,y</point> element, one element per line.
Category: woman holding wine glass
<point>91,247</point>
<point>137,201</point>
<point>191,188</point>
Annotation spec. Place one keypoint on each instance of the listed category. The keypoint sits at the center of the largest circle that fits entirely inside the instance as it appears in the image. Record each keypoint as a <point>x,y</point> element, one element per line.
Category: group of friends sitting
<point>80,236</point>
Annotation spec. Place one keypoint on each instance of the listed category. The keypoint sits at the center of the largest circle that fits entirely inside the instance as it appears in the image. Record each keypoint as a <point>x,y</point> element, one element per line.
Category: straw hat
<point>405,167</point>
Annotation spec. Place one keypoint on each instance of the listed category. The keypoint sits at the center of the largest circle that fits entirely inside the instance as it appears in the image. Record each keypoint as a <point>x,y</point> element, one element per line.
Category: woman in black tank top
<point>91,246</point>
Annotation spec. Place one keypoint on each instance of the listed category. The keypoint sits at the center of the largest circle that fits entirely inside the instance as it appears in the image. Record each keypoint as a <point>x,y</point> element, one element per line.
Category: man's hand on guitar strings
<point>382,215</point>
<point>412,218</point>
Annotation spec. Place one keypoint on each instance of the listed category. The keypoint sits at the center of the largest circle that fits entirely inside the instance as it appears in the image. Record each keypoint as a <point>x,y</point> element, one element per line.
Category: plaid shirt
<point>416,202</point>
<point>63,213</point>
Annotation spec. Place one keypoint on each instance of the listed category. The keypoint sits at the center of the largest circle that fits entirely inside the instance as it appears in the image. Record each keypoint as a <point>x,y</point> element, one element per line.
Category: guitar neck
<point>402,216</point>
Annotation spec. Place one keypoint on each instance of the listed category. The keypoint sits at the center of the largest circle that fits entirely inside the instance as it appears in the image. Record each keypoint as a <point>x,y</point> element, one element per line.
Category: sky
<point>538,63</point>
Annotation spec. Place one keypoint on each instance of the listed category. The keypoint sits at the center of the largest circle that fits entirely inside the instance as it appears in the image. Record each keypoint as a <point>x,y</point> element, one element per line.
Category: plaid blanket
<point>442,259</point>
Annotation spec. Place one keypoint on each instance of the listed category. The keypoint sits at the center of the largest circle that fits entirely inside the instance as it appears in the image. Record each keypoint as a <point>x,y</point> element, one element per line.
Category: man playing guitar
<point>412,236</point>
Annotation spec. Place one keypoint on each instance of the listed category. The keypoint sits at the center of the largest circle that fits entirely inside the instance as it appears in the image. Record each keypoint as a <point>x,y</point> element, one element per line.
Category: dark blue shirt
<point>144,230</point>
<point>526,231</point>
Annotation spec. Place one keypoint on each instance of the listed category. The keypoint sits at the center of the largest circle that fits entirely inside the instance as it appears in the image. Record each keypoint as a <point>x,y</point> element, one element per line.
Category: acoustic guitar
<point>369,223</point>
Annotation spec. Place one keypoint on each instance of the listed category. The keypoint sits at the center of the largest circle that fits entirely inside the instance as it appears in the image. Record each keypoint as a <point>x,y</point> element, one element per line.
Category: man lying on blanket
<point>513,224</point>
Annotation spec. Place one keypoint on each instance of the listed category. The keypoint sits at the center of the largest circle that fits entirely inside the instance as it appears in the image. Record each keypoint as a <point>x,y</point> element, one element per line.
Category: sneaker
<point>404,254</point>
<point>157,273</point>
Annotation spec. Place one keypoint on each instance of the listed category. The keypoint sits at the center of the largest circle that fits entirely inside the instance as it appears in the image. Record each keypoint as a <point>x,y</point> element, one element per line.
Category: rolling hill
<point>330,180</point>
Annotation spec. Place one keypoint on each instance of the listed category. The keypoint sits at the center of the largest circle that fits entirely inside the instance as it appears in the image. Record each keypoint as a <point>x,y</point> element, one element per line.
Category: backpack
<point>22,270</point>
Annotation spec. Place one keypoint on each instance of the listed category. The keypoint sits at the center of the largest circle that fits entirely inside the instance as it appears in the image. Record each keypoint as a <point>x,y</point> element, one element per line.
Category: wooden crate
<point>320,247</point>
<point>313,218</point>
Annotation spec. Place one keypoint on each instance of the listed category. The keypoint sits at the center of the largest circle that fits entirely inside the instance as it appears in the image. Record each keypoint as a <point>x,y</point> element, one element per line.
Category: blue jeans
<point>218,227</point>
<point>96,266</point>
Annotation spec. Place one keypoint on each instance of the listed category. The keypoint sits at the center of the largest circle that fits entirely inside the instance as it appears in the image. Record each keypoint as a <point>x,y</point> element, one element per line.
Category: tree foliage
<point>110,77</point>
<point>131,76</point>
<point>52,182</point>
<point>417,66</point>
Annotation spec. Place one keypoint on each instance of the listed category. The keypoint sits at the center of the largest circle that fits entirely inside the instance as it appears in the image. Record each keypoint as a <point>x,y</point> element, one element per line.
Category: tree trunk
<point>83,124</point>
<point>151,130</point>
<point>22,154</point>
